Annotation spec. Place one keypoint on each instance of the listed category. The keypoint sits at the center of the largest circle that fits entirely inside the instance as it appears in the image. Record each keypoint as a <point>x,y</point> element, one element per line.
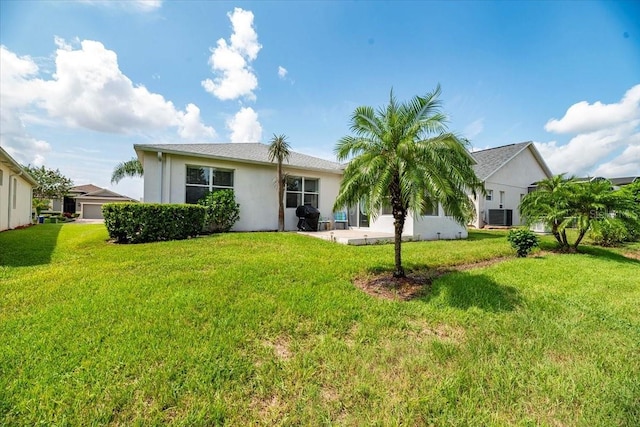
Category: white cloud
<point>626,164</point>
<point>602,131</point>
<point>474,129</point>
<point>18,91</point>
<point>282,72</point>
<point>584,117</point>
<point>231,61</point>
<point>192,127</point>
<point>245,127</point>
<point>87,90</point>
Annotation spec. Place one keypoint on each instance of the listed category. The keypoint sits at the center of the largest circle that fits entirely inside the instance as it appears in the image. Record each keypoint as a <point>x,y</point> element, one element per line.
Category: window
<point>202,180</point>
<point>501,199</point>
<point>302,191</point>
<point>430,210</point>
<point>489,195</point>
<point>1,176</point>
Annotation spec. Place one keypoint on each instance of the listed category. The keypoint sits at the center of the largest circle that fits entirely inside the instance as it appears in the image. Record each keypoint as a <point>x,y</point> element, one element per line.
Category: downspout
<point>161,174</point>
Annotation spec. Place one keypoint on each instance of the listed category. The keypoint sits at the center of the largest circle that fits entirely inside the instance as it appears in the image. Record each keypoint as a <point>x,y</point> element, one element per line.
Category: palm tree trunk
<point>398,227</point>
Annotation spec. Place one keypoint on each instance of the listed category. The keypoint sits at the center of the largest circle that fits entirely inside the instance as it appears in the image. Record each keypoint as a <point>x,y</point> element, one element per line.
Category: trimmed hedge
<point>152,222</point>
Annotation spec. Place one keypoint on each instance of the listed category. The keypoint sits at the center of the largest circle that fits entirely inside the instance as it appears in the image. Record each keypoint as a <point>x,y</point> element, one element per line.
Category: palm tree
<point>402,155</point>
<point>549,204</point>
<point>130,168</point>
<point>562,203</point>
<point>280,151</point>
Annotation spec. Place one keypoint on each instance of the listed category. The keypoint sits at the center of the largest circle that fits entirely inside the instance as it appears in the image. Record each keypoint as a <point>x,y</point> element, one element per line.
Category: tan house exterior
<point>507,173</point>
<point>16,193</point>
<point>87,200</point>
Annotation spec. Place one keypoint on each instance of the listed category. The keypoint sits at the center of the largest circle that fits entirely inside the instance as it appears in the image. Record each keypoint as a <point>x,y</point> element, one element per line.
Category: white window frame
<point>302,192</point>
<point>489,196</point>
<point>210,187</point>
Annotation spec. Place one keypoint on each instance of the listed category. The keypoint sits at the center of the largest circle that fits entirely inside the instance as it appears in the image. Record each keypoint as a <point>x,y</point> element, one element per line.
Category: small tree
<point>40,204</point>
<point>51,183</point>
<point>279,151</point>
<point>523,241</point>
<point>222,211</point>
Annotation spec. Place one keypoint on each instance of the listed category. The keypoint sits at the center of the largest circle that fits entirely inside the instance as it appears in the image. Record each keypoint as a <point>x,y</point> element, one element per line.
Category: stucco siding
<point>16,214</point>
<point>513,180</point>
<point>254,187</point>
<point>423,227</point>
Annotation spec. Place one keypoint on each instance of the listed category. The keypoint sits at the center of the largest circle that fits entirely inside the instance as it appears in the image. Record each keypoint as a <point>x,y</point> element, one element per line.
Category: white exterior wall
<point>254,187</point>
<point>513,178</point>
<point>10,216</point>
<point>423,227</point>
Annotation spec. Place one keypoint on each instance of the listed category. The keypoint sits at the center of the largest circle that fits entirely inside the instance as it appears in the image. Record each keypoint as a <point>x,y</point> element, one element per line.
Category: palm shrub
<point>523,241</point>
<point>222,211</point>
<point>609,233</point>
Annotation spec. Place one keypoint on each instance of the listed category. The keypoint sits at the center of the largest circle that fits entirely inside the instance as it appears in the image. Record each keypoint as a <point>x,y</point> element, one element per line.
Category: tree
<point>130,168</point>
<point>549,204</point>
<point>279,151</point>
<point>51,183</point>
<point>561,203</point>
<point>402,155</point>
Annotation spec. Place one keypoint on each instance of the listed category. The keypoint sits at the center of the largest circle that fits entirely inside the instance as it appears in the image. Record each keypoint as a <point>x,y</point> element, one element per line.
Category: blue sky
<point>82,81</point>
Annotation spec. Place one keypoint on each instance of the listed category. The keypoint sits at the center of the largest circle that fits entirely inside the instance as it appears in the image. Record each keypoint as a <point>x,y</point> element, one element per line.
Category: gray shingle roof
<point>244,152</point>
<point>490,160</point>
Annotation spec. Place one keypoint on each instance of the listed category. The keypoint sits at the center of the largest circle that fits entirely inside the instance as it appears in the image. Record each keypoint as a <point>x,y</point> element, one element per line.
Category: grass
<point>267,329</point>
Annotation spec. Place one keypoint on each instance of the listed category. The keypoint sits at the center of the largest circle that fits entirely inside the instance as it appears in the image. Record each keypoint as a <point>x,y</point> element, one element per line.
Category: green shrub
<point>222,211</point>
<point>611,232</point>
<point>523,241</point>
<point>152,222</point>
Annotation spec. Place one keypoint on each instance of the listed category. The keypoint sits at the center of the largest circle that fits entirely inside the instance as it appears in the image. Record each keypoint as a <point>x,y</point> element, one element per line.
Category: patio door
<point>357,216</point>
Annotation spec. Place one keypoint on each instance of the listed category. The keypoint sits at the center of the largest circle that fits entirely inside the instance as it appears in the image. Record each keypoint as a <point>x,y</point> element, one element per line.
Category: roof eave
<point>143,148</point>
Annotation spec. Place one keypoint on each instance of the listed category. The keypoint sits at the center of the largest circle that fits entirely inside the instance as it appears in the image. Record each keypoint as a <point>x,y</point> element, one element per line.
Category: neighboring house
<point>508,172</point>
<point>16,193</point>
<point>87,201</point>
<point>616,182</point>
<point>621,182</point>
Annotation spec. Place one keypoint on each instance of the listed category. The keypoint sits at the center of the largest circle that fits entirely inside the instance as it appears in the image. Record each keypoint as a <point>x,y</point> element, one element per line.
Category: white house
<point>183,173</point>
<point>16,193</point>
<point>507,173</point>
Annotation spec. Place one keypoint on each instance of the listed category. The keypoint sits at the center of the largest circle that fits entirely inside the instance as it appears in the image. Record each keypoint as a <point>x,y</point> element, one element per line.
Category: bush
<point>152,222</point>
<point>222,211</point>
<point>523,241</point>
<point>610,232</point>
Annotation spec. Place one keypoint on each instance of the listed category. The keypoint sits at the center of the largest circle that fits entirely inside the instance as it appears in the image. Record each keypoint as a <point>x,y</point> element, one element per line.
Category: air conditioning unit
<point>501,217</point>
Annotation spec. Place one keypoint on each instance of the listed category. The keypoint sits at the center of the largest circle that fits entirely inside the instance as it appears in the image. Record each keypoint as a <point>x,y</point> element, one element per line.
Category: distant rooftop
<point>490,160</point>
<point>248,152</point>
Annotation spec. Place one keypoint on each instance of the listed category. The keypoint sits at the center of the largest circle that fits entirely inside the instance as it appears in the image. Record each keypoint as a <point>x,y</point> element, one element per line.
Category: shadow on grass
<point>464,291</point>
<point>484,235</point>
<point>607,254</point>
<point>28,246</point>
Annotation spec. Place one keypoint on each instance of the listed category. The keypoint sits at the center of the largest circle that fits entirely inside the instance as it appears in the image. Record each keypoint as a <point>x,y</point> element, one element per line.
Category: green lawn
<point>267,329</point>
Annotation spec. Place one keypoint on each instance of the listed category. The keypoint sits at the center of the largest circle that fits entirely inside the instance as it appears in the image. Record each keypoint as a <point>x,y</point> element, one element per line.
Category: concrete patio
<point>353,237</point>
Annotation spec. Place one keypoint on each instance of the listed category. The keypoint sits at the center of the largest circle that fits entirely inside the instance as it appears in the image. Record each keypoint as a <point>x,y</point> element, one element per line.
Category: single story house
<point>16,193</point>
<point>183,173</point>
<point>508,172</point>
<point>87,200</point>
